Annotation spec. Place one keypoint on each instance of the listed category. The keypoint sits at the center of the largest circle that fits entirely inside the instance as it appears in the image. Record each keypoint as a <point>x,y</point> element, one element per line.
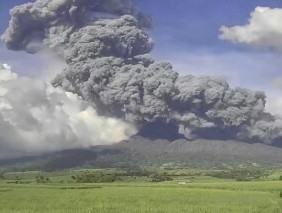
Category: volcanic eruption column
<point>105,46</point>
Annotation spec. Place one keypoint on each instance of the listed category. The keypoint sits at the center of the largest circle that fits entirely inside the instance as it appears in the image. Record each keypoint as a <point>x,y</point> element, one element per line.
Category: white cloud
<point>274,104</point>
<point>35,118</point>
<point>264,29</point>
<point>274,100</point>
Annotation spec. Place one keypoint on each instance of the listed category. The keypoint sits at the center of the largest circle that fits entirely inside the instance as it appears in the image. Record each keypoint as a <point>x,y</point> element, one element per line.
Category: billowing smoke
<point>36,117</point>
<point>105,46</point>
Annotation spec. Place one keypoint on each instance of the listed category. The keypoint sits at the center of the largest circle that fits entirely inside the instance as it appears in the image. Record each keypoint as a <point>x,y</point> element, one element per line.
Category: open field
<point>182,194</point>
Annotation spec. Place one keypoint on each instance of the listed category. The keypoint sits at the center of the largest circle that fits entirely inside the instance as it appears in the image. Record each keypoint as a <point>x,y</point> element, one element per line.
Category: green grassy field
<point>203,195</point>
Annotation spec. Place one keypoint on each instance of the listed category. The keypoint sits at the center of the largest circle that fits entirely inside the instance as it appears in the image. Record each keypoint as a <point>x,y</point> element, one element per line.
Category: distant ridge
<point>139,151</point>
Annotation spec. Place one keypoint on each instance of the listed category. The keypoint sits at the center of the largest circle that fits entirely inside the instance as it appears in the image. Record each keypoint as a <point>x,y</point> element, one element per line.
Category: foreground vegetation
<point>114,191</point>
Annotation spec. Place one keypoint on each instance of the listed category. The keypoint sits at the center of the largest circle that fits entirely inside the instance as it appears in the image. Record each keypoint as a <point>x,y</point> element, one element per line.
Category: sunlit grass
<point>221,197</point>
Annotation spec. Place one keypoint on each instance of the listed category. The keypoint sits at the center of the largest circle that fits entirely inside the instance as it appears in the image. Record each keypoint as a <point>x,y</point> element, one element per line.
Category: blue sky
<point>195,23</point>
<point>186,34</point>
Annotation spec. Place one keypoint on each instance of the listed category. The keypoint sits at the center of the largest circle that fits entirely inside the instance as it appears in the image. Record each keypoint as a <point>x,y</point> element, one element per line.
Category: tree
<point>42,179</point>
<point>160,178</point>
<point>2,175</point>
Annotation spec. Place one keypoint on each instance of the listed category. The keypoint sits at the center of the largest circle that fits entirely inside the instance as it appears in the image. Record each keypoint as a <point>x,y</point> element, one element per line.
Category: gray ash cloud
<point>106,48</point>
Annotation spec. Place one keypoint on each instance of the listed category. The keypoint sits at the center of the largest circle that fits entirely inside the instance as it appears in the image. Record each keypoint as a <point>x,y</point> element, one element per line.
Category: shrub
<point>2,175</point>
<point>239,174</point>
<point>160,178</point>
<point>42,179</point>
<point>95,178</point>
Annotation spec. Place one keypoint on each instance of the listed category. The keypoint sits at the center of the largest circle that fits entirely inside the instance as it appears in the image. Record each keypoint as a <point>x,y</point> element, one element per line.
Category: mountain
<point>140,151</point>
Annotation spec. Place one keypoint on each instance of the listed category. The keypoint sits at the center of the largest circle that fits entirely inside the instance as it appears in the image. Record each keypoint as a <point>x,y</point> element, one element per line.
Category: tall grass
<point>225,197</point>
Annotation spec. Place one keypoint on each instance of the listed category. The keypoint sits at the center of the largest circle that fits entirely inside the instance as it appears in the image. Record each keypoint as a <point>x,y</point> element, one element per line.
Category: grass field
<point>203,195</point>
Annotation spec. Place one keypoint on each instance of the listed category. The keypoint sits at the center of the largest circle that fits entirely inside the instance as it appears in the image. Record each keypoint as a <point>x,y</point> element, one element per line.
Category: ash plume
<point>106,48</point>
